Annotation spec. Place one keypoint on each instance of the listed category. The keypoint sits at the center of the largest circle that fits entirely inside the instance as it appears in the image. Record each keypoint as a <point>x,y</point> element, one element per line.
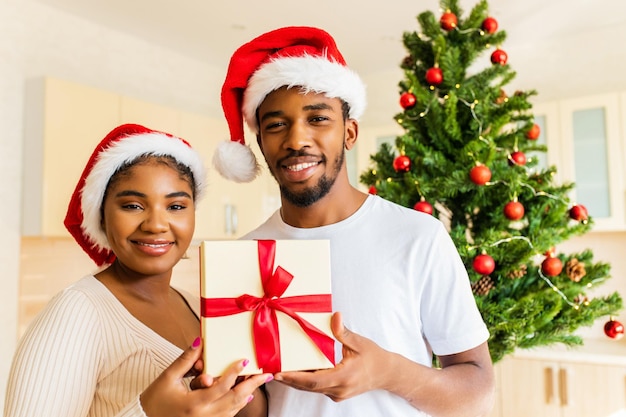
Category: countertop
<point>594,350</point>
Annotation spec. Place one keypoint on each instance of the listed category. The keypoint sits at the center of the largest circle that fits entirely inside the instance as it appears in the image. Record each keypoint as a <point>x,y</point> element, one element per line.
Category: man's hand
<point>363,367</point>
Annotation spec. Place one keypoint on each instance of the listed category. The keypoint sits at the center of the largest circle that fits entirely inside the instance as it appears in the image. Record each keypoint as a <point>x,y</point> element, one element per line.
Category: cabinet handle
<point>230,219</point>
<point>563,386</point>
<point>548,384</point>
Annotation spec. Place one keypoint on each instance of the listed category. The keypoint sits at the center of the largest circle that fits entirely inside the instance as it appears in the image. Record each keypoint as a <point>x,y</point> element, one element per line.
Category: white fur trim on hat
<point>123,151</point>
<point>236,161</point>
<point>317,74</point>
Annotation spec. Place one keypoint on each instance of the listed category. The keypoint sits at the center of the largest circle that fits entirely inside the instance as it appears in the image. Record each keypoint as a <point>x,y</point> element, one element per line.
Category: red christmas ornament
<point>402,163</point>
<point>372,190</point>
<point>448,21</point>
<point>484,264</point>
<point>490,25</point>
<point>517,158</point>
<point>579,213</point>
<point>434,76</point>
<point>614,329</point>
<point>534,132</point>
<point>408,100</point>
<point>480,174</point>
<point>552,266</point>
<point>424,207</point>
<point>514,210</point>
<point>499,57</point>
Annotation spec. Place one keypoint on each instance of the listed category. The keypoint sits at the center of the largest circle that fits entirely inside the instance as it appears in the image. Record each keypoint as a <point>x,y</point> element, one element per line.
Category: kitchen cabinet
<point>228,209</point>
<point>559,388</point>
<point>154,116</point>
<point>586,143</point>
<point>66,120</point>
<point>592,157</point>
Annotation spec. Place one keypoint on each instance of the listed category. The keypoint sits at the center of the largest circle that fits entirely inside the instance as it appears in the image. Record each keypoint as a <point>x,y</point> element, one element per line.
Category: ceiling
<point>368,32</point>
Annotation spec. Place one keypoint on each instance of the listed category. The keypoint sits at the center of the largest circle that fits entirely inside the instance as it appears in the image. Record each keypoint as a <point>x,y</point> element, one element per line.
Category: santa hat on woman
<point>303,57</point>
<point>121,146</point>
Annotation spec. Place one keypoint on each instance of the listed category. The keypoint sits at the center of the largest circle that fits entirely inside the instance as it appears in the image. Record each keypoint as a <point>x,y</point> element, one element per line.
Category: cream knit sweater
<point>86,355</point>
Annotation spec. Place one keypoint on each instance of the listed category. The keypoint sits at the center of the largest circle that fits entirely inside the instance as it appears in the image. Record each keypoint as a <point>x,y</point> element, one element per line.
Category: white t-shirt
<point>86,355</point>
<point>398,280</point>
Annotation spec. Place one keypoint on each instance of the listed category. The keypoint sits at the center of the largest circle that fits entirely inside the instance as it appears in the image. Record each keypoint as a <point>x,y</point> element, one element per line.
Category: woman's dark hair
<point>123,171</point>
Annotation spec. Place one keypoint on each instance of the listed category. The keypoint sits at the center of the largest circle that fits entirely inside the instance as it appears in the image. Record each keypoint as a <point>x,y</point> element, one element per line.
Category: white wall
<point>36,41</point>
<point>584,64</point>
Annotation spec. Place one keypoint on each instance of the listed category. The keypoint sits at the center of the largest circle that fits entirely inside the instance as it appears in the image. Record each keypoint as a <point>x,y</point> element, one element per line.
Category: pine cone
<point>408,62</point>
<point>575,270</point>
<point>581,299</point>
<point>483,285</point>
<point>502,97</point>
<point>518,273</point>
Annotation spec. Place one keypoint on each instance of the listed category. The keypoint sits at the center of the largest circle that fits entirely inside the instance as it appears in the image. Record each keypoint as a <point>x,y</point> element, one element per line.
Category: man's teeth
<point>300,167</point>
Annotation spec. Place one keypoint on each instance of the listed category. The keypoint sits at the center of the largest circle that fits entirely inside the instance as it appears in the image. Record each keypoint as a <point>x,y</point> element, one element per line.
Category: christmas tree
<point>463,158</point>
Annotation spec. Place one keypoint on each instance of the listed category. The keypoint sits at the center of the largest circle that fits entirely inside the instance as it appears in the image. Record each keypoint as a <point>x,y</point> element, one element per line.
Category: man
<point>398,283</point>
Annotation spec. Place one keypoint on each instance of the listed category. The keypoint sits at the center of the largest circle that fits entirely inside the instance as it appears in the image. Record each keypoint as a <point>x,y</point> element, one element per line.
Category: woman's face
<point>149,217</point>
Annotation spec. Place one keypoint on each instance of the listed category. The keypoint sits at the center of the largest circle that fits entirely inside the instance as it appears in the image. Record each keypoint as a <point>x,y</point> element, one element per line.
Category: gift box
<point>268,301</point>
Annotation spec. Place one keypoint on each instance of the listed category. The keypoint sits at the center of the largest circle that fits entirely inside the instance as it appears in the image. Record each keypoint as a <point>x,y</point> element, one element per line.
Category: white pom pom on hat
<point>122,145</point>
<point>295,56</point>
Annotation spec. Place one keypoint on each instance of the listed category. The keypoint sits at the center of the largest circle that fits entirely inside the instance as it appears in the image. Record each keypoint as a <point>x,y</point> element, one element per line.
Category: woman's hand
<point>216,397</point>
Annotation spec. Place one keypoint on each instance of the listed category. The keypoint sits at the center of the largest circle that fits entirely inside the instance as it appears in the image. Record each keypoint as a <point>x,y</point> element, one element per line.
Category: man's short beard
<point>313,194</point>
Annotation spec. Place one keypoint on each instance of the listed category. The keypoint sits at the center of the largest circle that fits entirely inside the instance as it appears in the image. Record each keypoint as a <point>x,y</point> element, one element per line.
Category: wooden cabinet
<point>151,115</point>
<point>65,122</point>
<point>586,143</point>
<point>228,209</point>
<point>549,388</point>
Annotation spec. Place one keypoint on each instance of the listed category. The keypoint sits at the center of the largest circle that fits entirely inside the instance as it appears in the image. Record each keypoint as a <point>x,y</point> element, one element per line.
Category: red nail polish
<point>196,342</point>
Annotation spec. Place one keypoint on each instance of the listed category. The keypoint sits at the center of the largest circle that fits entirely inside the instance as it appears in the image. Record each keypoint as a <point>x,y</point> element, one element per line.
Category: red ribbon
<point>265,324</point>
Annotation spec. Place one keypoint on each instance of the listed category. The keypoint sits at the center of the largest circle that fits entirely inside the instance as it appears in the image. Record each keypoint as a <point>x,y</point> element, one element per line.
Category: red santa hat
<point>121,146</point>
<point>303,57</point>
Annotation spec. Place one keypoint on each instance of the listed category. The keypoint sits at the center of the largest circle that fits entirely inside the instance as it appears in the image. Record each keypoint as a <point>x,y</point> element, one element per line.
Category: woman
<point>110,345</point>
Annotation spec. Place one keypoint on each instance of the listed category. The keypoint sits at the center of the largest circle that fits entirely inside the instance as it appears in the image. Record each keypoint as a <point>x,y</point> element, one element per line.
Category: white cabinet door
<point>592,157</point>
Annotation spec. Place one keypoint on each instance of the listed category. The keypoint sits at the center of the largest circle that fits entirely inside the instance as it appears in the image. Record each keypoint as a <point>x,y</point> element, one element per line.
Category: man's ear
<point>352,132</point>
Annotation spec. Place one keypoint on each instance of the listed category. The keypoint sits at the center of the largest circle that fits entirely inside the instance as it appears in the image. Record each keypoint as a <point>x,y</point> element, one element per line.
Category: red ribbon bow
<point>265,324</point>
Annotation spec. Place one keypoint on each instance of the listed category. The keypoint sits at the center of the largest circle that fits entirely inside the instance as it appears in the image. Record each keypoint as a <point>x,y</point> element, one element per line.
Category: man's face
<point>303,138</point>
